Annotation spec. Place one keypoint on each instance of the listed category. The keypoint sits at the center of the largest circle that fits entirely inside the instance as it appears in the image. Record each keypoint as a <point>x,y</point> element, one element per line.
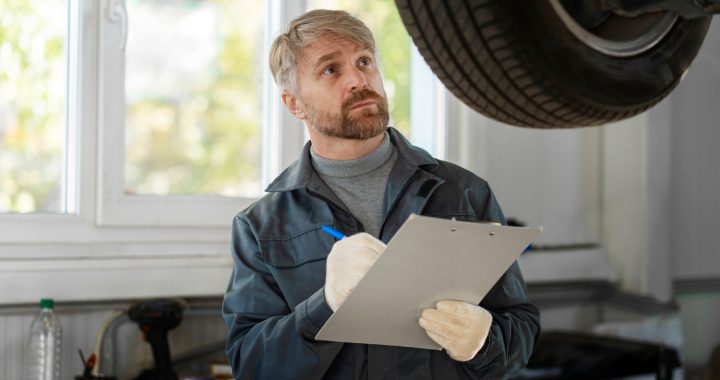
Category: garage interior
<point>629,250</point>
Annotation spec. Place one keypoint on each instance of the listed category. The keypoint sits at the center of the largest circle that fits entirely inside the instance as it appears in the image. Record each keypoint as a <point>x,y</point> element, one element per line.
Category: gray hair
<point>302,31</point>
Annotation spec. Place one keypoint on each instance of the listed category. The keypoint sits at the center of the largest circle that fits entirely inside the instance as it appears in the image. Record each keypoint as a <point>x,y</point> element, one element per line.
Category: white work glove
<point>347,263</point>
<point>460,328</point>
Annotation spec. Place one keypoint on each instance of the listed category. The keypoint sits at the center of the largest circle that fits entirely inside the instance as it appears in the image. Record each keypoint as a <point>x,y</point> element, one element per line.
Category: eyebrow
<point>327,57</point>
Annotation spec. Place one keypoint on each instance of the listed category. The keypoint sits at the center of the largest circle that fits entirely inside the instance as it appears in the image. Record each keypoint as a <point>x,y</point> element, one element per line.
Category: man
<point>362,177</point>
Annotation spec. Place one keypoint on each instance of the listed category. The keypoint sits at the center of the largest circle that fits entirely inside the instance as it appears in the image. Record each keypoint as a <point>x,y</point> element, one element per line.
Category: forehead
<point>327,47</point>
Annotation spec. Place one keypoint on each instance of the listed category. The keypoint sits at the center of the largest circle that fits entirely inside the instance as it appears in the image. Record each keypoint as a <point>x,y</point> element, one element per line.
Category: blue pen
<point>335,233</point>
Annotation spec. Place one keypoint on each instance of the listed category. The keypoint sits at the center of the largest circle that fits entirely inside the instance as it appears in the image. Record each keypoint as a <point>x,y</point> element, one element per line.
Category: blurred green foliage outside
<point>32,96</point>
<point>193,95</point>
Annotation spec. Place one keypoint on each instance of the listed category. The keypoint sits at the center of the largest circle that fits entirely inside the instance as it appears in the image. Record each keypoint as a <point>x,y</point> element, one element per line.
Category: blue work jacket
<point>274,304</point>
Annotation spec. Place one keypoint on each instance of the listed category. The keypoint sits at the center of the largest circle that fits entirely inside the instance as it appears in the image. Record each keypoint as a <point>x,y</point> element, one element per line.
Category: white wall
<point>696,165</point>
<point>541,177</point>
<point>695,205</point>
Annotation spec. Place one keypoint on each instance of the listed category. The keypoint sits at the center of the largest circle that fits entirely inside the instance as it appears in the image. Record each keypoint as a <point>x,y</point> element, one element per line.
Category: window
<point>128,114</point>
<point>187,108</point>
<point>33,88</point>
<point>169,103</point>
<point>193,91</point>
<point>131,132</point>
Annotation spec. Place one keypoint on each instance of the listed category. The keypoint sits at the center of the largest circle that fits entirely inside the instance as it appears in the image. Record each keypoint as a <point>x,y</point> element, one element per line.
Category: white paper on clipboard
<point>428,260</point>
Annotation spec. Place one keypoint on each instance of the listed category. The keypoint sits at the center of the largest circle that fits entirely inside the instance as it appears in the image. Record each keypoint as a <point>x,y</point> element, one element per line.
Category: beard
<point>367,122</point>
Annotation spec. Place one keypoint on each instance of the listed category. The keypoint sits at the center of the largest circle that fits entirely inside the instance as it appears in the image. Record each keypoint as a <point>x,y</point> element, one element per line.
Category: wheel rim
<point>617,35</point>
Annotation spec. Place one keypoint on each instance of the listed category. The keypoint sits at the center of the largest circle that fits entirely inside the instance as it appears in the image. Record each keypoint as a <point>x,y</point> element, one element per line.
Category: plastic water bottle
<point>45,344</point>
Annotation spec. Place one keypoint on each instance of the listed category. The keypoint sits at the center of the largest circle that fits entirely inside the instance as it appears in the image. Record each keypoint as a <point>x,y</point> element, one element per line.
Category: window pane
<point>393,48</point>
<point>32,101</point>
<point>193,97</point>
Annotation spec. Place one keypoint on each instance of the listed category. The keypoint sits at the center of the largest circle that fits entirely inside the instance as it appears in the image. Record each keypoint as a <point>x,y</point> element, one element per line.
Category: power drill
<point>156,318</point>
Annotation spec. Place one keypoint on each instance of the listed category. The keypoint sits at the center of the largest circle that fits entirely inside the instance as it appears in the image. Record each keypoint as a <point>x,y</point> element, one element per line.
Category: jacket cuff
<point>487,353</point>
<point>316,311</point>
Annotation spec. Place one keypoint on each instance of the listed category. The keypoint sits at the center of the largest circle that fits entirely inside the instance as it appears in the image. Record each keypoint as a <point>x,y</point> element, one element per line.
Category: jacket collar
<point>301,173</point>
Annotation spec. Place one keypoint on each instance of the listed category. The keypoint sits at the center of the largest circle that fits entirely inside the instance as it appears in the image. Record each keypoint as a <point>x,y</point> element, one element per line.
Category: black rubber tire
<point>516,62</point>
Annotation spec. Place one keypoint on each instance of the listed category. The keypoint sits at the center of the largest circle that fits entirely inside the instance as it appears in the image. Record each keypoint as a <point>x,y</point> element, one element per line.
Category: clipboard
<point>428,260</point>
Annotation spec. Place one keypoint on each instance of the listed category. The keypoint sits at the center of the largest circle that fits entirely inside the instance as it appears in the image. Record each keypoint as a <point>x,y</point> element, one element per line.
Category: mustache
<point>360,96</point>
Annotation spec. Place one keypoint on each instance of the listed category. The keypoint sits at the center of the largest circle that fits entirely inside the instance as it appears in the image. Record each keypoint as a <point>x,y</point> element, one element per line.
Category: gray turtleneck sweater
<point>360,183</point>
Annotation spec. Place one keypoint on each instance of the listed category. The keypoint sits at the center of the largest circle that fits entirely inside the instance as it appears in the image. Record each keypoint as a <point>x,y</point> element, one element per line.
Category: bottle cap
<point>47,303</point>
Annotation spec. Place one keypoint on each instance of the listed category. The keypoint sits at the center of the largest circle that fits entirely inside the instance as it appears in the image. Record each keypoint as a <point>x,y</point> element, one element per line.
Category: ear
<point>294,104</point>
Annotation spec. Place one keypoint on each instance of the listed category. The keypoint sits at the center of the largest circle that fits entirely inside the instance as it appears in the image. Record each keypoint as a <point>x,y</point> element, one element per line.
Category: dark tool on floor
<point>565,355</point>
<point>155,319</point>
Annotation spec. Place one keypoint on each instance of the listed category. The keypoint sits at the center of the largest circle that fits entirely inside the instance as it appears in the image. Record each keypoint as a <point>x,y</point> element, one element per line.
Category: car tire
<point>523,62</point>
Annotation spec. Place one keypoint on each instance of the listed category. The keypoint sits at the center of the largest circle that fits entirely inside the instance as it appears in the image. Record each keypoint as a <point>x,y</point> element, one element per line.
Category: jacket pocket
<point>297,263</point>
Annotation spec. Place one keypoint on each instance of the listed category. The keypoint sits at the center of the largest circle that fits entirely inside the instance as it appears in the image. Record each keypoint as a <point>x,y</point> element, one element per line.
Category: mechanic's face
<point>339,90</point>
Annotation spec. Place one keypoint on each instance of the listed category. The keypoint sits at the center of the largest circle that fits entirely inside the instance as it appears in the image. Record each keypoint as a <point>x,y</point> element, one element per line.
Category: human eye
<point>364,61</point>
<point>330,70</point>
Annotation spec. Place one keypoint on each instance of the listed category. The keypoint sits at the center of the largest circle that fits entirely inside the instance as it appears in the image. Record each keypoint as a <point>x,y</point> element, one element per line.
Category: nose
<point>356,80</point>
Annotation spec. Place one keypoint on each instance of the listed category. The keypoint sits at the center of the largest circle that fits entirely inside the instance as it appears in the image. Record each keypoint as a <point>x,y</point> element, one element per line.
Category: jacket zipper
<point>358,224</point>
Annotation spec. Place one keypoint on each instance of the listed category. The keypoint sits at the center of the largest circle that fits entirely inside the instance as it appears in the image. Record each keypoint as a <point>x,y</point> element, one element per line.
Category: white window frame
<point>428,108</point>
<point>115,208</point>
<point>111,246</point>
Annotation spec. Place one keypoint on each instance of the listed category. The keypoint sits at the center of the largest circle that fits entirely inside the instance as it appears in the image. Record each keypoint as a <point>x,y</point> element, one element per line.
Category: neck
<point>336,148</point>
